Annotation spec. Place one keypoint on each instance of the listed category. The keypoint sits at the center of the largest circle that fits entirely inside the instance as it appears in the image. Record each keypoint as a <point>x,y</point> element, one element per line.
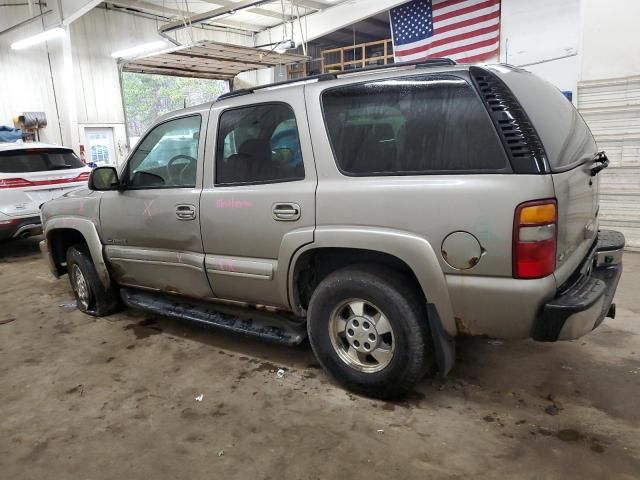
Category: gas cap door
<point>461,250</point>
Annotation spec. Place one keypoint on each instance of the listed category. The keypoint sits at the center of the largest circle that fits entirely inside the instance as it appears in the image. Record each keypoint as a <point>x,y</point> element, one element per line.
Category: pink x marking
<point>226,264</point>
<point>147,207</point>
<point>179,257</point>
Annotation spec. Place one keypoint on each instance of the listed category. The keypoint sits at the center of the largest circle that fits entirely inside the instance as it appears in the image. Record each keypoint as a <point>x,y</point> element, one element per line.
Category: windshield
<point>38,160</point>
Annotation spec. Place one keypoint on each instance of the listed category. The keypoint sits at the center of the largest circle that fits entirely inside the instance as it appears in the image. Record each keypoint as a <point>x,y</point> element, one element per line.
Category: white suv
<point>31,174</point>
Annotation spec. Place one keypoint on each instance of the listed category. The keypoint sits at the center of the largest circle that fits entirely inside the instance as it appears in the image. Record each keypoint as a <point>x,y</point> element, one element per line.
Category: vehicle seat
<point>258,154</point>
<point>253,154</point>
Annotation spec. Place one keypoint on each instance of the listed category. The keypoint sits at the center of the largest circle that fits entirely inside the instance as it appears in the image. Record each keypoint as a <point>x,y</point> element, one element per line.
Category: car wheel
<point>368,328</point>
<point>92,297</point>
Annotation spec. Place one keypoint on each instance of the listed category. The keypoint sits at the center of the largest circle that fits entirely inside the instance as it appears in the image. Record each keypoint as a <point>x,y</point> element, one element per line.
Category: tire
<point>92,297</point>
<point>403,355</point>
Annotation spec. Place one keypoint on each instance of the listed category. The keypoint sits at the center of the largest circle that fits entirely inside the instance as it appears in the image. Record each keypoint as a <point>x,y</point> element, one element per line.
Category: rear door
<point>29,177</point>
<point>570,150</point>
<point>152,229</point>
<point>258,202</point>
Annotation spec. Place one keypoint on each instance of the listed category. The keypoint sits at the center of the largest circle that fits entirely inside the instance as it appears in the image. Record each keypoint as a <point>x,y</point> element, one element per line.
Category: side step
<point>265,325</point>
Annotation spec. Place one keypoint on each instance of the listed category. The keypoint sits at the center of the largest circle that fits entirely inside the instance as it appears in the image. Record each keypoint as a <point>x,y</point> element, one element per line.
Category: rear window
<point>567,140</point>
<point>411,125</point>
<point>38,160</point>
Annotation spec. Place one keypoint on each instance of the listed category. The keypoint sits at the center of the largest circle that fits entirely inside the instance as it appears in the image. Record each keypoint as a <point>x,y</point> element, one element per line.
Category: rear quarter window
<point>425,124</point>
<point>567,140</point>
<point>38,160</point>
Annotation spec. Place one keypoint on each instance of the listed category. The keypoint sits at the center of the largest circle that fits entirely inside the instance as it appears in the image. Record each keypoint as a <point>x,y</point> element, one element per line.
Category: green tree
<point>146,97</point>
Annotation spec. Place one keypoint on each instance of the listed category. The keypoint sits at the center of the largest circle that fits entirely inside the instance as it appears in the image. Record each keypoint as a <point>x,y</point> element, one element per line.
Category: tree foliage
<point>146,97</point>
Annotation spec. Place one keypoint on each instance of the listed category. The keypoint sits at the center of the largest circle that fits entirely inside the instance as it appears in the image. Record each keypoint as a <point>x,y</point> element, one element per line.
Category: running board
<point>265,325</point>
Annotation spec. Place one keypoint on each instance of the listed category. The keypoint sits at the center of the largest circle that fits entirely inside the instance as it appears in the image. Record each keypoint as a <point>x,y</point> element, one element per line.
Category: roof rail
<point>430,62</point>
<point>246,91</point>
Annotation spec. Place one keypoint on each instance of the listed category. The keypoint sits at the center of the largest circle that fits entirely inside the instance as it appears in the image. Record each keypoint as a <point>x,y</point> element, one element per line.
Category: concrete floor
<point>115,398</point>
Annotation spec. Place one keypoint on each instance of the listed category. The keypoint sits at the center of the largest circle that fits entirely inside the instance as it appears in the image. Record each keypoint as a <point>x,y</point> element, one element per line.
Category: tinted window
<point>168,156</point>
<point>39,160</point>
<point>258,144</point>
<point>566,137</point>
<point>411,125</point>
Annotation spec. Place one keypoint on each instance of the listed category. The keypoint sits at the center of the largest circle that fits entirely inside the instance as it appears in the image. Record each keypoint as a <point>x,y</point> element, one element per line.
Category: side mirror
<point>104,178</point>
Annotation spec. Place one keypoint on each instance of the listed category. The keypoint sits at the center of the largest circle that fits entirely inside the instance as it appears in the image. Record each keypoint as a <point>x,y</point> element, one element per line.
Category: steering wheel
<point>177,179</point>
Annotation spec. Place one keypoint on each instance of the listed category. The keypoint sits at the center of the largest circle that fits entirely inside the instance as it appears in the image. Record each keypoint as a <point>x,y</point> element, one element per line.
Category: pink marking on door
<point>147,207</point>
<point>226,265</point>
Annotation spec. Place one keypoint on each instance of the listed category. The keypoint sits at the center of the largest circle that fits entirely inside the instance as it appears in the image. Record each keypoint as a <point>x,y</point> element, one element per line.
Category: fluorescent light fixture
<point>39,38</point>
<point>137,50</point>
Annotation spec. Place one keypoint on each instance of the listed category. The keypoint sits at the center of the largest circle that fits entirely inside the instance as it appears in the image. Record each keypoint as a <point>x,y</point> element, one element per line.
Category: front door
<point>151,229</point>
<point>258,206</point>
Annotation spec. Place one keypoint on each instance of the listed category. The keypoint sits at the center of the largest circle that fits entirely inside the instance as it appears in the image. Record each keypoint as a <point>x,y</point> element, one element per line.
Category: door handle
<point>185,212</point>
<point>286,211</point>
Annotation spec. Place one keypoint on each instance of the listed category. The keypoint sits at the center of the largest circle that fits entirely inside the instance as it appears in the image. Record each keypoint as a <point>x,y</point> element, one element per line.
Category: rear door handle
<point>286,211</point>
<point>185,212</point>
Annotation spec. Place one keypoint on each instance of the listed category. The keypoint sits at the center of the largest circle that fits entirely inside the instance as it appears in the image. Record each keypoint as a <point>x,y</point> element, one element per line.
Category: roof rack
<point>246,91</point>
<point>431,62</point>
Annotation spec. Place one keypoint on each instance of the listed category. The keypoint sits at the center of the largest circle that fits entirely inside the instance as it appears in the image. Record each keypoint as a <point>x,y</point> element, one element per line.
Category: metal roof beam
<point>212,15</point>
<point>258,11</point>
<point>329,20</point>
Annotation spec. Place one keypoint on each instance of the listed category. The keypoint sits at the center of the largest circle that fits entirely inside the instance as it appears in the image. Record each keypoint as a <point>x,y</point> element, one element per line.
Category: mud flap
<point>444,344</point>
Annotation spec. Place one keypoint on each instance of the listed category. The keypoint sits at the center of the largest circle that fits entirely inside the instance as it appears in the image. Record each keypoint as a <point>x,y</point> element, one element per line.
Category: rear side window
<point>411,125</point>
<point>38,160</point>
<point>258,144</point>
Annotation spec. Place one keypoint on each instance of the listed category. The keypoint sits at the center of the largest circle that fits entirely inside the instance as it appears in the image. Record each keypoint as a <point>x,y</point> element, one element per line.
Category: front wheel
<point>368,328</point>
<point>92,297</point>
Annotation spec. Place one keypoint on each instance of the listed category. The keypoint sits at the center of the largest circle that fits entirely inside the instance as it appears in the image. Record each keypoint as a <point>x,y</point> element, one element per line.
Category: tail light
<point>21,182</point>
<point>534,239</point>
<point>14,183</point>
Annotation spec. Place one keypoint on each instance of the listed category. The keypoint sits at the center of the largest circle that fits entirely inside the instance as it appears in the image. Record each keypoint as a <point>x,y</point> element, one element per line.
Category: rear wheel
<point>368,328</point>
<point>92,297</point>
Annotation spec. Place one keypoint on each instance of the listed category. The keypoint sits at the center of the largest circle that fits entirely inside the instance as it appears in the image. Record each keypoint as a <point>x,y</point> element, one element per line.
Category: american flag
<point>464,30</point>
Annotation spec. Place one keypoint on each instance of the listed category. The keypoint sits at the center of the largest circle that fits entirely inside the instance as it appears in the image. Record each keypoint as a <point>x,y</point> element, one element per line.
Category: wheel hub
<point>82,288</point>
<point>361,334</point>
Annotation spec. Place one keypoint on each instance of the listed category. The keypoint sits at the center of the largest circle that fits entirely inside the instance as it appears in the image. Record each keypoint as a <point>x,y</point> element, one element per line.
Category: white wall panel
<point>535,31</point>
<point>543,37</point>
<point>611,43</point>
<point>25,79</point>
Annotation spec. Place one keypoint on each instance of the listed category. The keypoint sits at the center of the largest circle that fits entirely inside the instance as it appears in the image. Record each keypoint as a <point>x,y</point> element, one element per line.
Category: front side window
<point>258,144</point>
<point>411,125</point>
<point>167,157</point>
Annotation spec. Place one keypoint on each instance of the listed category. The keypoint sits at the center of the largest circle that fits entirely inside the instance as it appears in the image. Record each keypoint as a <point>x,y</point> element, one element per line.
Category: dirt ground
<point>115,398</point>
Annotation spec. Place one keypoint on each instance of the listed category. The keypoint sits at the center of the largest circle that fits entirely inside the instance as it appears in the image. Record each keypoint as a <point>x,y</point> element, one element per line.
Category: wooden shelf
<point>360,55</point>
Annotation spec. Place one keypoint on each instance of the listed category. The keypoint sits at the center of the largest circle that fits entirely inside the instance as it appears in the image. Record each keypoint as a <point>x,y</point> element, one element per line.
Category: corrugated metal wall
<point>25,79</point>
<point>612,110</point>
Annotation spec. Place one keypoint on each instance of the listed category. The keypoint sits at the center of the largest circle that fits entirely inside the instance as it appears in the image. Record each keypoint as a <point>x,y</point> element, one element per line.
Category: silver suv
<point>381,213</point>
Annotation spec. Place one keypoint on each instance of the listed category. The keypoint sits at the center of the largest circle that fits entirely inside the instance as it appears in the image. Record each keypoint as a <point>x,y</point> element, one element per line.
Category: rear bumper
<point>583,305</point>
<point>20,227</point>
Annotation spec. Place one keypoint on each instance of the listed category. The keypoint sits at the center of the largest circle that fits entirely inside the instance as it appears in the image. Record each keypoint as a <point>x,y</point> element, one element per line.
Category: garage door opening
<point>147,96</point>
